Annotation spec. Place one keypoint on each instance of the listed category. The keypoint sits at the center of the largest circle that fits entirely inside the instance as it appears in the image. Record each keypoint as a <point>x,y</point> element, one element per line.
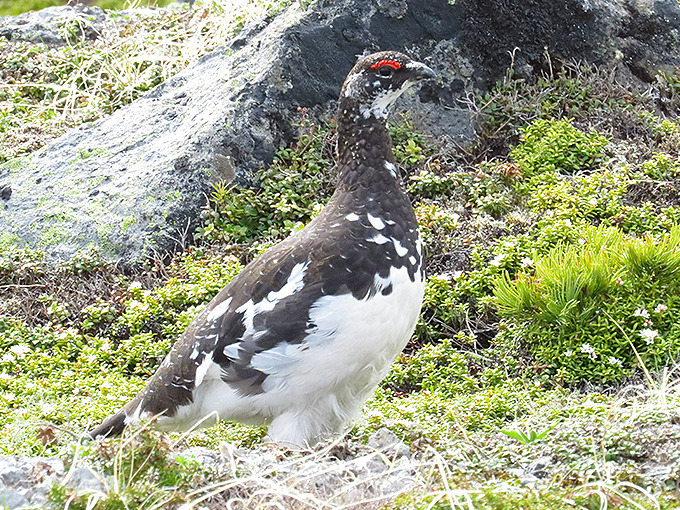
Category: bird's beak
<point>420,71</point>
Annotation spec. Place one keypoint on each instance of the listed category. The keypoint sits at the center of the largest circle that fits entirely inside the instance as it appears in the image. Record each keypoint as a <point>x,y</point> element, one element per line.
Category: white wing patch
<point>401,251</point>
<point>195,352</point>
<point>278,359</point>
<point>202,369</point>
<point>133,418</point>
<point>231,351</point>
<point>351,217</point>
<point>377,223</point>
<point>378,239</point>
<point>219,310</point>
<point>419,246</point>
<point>294,283</point>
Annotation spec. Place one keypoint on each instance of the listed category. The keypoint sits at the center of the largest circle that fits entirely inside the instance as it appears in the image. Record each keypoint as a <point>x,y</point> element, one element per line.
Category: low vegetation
<point>542,371</point>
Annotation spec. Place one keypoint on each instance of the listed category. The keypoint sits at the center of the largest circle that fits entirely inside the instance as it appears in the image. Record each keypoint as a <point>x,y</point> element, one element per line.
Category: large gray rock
<point>135,182</point>
<point>53,25</point>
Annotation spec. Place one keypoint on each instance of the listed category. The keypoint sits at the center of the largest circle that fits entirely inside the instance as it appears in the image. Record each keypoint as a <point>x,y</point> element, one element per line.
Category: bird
<point>302,336</point>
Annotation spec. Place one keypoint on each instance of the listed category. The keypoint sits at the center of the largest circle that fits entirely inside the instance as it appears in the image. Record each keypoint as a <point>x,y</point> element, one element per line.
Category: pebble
<point>25,481</point>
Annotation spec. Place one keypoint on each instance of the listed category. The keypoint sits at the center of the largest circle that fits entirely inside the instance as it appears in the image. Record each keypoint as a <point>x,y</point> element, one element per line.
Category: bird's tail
<point>116,423</point>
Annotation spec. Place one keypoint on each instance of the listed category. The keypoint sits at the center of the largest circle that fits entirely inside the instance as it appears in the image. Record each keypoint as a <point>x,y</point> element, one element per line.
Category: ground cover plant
<point>542,371</point>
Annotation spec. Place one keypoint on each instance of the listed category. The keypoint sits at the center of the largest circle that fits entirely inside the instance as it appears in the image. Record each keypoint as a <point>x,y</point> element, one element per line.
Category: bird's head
<point>376,81</point>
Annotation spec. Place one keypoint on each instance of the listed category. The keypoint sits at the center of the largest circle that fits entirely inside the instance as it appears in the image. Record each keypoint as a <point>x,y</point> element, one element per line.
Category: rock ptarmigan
<point>303,335</point>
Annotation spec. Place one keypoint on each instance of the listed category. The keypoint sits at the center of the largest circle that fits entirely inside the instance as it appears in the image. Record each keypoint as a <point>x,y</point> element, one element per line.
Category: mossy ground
<point>478,395</point>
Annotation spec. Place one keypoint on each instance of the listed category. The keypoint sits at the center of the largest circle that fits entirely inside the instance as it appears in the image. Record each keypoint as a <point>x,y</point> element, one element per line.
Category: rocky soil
<point>339,473</point>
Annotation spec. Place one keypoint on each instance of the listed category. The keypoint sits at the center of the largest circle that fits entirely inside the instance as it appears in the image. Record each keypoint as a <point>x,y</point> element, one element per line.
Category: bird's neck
<point>364,147</point>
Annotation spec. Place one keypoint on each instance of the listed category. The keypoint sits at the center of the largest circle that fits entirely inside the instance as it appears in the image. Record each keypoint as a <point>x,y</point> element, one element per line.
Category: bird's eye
<point>385,71</point>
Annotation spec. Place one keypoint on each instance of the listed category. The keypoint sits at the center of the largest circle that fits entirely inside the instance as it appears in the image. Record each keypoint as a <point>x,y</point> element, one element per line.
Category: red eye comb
<point>392,63</point>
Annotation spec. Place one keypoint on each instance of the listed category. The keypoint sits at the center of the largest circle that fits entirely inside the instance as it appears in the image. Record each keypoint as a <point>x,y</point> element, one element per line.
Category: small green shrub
<point>167,310</point>
<point>669,86</point>
<point>290,192</point>
<point>433,367</point>
<point>661,166</point>
<point>20,265</point>
<point>428,184</point>
<point>588,310</point>
<point>444,311</point>
<point>438,227</point>
<point>550,146</point>
<point>595,197</point>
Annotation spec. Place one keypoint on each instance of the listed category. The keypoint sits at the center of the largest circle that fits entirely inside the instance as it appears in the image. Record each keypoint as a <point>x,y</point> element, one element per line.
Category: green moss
<point>127,222</point>
<point>84,154</point>
<point>53,235</point>
<point>8,240</point>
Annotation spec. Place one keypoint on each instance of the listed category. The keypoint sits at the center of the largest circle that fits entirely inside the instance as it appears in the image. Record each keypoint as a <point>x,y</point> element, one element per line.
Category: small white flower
<point>593,201</point>
<point>135,286</point>
<point>582,241</point>
<point>641,312</point>
<point>615,361</point>
<point>444,277</point>
<point>648,323</point>
<point>496,261</point>
<point>133,304</point>
<point>20,350</point>
<point>567,222</point>
<point>457,274</point>
<point>568,353</point>
<point>648,335</point>
<point>8,358</point>
<point>527,262</point>
<point>589,350</point>
<point>660,308</point>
